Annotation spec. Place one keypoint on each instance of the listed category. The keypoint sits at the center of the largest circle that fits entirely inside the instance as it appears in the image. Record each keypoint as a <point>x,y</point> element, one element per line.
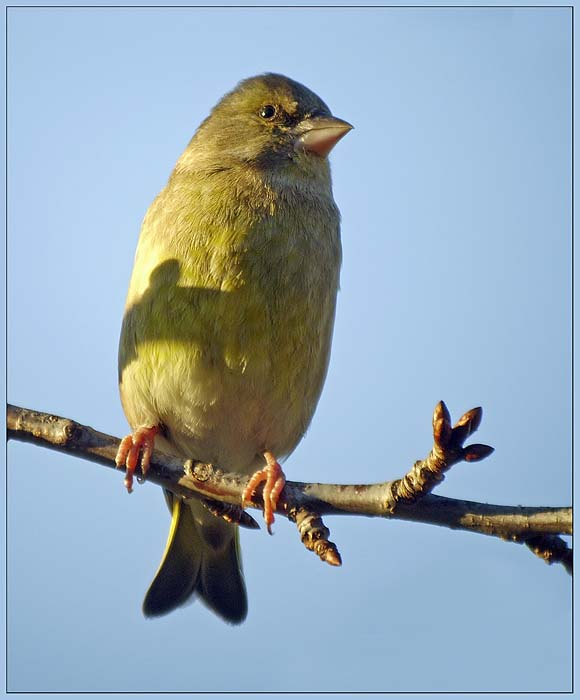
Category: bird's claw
<point>136,449</point>
<point>274,481</point>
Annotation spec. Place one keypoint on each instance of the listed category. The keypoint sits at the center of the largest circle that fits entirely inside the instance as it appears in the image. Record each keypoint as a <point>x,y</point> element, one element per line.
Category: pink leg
<point>141,442</point>
<point>274,479</point>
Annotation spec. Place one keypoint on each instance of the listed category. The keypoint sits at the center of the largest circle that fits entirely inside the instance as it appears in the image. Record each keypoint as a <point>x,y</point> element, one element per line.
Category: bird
<point>227,328</point>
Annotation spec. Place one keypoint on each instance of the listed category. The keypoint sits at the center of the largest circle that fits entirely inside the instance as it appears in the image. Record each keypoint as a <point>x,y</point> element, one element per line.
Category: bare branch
<point>552,549</point>
<point>314,535</point>
<point>408,498</point>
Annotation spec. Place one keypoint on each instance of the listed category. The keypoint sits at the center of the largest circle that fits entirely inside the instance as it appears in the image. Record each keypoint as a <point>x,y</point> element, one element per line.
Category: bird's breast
<point>228,344</point>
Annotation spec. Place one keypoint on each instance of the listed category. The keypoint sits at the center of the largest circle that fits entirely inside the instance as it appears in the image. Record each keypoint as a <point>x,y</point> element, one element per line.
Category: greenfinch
<point>228,323</point>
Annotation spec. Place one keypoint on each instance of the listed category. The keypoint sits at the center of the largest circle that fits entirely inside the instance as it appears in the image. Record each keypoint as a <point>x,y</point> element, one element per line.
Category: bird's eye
<point>268,112</point>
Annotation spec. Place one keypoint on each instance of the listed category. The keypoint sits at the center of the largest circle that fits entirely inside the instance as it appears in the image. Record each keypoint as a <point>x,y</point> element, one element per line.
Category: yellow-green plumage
<point>228,323</point>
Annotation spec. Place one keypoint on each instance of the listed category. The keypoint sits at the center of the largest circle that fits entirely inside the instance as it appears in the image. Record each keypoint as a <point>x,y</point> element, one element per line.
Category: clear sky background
<point>455,194</point>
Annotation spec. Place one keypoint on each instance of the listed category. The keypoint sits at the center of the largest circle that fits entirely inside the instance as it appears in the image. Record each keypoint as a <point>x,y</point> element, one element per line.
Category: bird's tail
<point>199,559</point>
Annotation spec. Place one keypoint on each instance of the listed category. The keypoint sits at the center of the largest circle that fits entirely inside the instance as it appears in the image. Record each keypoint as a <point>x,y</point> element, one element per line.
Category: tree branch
<point>408,498</point>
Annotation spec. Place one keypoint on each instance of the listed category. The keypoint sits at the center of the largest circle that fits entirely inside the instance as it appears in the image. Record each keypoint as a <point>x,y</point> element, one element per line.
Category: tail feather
<point>179,571</point>
<point>191,564</point>
<point>221,584</point>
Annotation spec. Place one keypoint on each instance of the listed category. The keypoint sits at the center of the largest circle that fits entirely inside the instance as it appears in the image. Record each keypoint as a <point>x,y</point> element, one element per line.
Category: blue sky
<point>455,194</point>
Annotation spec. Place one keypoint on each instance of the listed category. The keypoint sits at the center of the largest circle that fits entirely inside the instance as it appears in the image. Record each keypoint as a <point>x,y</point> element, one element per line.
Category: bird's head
<point>268,122</point>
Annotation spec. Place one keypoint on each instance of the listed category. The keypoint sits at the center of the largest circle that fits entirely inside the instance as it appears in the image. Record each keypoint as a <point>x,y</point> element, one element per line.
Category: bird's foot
<point>141,442</point>
<point>274,479</point>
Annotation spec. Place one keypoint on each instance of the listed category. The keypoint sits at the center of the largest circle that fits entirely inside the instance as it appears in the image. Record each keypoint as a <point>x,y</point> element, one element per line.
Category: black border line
<point>572,251</point>
<point>6,345</point>
<point>294,7</point>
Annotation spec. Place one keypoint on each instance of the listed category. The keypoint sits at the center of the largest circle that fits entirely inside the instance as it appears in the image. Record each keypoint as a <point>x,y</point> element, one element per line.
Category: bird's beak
<point>320,134</point>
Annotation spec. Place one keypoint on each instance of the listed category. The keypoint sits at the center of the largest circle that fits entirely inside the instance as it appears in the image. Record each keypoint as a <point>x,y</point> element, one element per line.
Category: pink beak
<point>320,134</point>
